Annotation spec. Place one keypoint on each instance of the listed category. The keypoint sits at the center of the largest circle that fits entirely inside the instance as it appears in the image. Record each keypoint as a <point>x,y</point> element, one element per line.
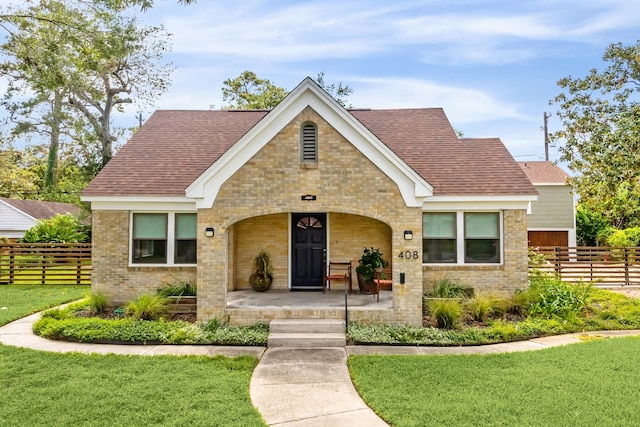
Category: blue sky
<point>491,64</point>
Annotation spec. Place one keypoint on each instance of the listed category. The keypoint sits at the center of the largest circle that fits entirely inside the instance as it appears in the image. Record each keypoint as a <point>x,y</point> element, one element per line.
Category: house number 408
<point>409,255</point>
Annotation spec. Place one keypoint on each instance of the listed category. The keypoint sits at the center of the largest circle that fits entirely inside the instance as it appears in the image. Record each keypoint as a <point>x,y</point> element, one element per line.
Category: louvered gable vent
<point>309,143</point>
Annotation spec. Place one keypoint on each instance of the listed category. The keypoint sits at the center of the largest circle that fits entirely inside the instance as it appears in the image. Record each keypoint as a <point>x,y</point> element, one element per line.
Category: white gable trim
<point>413,187</point>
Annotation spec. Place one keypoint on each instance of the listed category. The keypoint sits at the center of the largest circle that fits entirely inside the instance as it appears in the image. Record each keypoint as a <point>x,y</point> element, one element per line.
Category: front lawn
<point>587,384</point>
<point>17,301</point>
<point>50,389</point>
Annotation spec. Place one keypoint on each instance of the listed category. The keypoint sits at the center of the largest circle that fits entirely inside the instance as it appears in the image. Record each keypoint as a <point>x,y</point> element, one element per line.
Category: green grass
<point>587,384</point>
<point>51,389</point>
<point>47,389</point>
<point>21,300</point>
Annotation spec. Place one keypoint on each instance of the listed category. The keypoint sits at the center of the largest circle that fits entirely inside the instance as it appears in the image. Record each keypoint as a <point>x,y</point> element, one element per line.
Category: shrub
<point>98,303</point>
<point>447,288</point>
<point>178,289</point>
<point>147,307</point>
<point>551,297</point>
<point>519,302</point>
<point>624,238</point>
<point>59,229</point>
<point>446,312</point>
<point>481,307</point>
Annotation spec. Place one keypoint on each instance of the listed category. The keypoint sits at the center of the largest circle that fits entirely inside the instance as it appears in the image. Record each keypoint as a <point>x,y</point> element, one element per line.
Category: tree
<point>248,91</point>
<point>600,115</point>
<point>82,62</point>
<point>18,179</point>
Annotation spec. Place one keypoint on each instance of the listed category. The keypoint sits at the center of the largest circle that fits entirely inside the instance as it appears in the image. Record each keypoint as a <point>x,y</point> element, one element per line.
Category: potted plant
<point>371,260</point>
<point>262,277</point>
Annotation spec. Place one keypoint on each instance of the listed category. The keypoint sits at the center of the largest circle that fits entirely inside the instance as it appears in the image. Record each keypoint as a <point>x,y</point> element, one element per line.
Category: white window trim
<point>460,240</point>
<point>171,240</point>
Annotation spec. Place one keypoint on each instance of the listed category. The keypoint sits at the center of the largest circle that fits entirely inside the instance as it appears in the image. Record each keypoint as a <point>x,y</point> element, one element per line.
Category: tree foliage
<point>600,115</point>
<point>76,63</point>
<point>248,92</point>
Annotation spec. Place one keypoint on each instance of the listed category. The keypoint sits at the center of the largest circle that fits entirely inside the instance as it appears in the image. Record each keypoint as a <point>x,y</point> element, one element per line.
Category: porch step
<point>306,333</point>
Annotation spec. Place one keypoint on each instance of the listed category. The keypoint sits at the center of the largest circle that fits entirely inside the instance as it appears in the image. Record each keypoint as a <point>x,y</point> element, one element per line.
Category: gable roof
<point>454,166</point>
<point>178,153</point>
<point>544,172</point>
<point>39,209</point>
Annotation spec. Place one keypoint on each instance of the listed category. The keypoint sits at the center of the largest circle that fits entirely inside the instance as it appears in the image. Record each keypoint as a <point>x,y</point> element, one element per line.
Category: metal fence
<point>599,264</point>
<point>45,263</point>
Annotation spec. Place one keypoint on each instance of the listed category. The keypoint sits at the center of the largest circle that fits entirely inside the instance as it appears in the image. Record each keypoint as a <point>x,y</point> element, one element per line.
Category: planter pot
<point>366,287</point>
<point>260,282</point>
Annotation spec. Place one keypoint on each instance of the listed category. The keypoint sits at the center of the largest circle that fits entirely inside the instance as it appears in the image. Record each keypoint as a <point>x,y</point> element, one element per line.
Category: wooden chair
<point>337,271</point>
<point>382,278</point>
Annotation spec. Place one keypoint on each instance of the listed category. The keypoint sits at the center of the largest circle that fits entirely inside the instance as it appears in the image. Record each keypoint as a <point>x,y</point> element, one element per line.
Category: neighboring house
<point>552,218</point>
<point>195,195</point>
<point>17,216</point>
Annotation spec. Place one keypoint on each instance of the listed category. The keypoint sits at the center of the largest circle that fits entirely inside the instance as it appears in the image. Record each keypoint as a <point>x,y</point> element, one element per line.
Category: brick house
<point>195,195</point>
<point>551,219</point>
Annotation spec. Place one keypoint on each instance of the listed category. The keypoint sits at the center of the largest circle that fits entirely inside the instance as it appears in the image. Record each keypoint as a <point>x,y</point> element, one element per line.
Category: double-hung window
<point>461,237</point>
<point>163,238</point>
<point>481,237</point>
<point>439,237</point>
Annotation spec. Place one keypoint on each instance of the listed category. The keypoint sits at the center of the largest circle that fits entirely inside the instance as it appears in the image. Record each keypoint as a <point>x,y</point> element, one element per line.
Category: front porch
<point>248,306</point>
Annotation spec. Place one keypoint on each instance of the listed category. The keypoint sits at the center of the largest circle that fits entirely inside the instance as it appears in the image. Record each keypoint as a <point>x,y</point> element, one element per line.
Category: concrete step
<point>307,326</point>
<point>314,339</point>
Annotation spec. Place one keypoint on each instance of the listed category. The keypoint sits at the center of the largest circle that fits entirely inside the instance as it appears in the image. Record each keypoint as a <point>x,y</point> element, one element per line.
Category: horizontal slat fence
<point>45,263</point>
<point>599,264</point>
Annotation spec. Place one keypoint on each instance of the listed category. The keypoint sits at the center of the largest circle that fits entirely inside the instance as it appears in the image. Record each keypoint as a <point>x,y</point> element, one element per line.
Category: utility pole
<point>546,136</point>
<point>139,117</point>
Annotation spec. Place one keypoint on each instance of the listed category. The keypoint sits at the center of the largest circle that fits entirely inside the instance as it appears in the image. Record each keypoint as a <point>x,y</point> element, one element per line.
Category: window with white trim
<point>163,238</point>
<point>461,238</point>
<point>309,143</point>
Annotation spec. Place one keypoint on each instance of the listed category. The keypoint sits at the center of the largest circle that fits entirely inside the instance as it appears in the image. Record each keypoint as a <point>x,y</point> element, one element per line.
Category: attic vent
<point>309,143</point>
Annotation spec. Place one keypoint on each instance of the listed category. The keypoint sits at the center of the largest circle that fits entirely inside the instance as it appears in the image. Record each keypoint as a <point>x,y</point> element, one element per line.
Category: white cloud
<point>462,105</point>
<point>462,32</point>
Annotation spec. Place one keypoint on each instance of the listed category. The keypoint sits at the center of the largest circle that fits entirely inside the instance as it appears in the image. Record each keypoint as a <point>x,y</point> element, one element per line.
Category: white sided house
<point>17,216</point>
<point>196,195</point>
<point>552,218</point>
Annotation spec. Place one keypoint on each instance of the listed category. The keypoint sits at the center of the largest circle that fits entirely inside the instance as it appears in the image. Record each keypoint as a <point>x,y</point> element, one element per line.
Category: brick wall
<point>111,273</point>
<point>358,197</point>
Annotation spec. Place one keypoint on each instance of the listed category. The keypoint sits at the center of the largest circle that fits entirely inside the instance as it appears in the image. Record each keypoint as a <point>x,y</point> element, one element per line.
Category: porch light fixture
<point>408,234</point>
<point>208,232</point>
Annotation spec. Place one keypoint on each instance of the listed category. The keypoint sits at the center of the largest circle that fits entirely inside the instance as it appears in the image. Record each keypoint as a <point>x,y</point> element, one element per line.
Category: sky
<point>492,65</point>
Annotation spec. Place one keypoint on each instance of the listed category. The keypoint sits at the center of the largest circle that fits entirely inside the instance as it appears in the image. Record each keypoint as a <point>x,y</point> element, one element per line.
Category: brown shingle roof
<point>454,166</point>
<point>170,151</point>
<point>41,210</point>
<point>174,147</point>
<point>544,172</point>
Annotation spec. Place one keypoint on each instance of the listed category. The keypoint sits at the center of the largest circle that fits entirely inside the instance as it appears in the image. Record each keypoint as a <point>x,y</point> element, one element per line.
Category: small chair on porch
<point>337,271</point>
<point>382,278</point>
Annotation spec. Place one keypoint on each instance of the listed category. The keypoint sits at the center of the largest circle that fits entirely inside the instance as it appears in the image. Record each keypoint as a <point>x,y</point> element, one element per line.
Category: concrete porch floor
<point>285,299</point>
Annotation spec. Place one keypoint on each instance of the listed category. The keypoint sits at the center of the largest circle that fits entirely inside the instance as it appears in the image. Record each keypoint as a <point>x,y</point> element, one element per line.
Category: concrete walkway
<point>291,386</point>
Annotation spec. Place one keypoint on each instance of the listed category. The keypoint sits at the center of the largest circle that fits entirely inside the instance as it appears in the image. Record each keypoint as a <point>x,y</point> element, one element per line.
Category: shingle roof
<point>544,172</point>
<point>173,148</point>
<point>170,151</point>
<point>41,210</point>
<point>454,166</point>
